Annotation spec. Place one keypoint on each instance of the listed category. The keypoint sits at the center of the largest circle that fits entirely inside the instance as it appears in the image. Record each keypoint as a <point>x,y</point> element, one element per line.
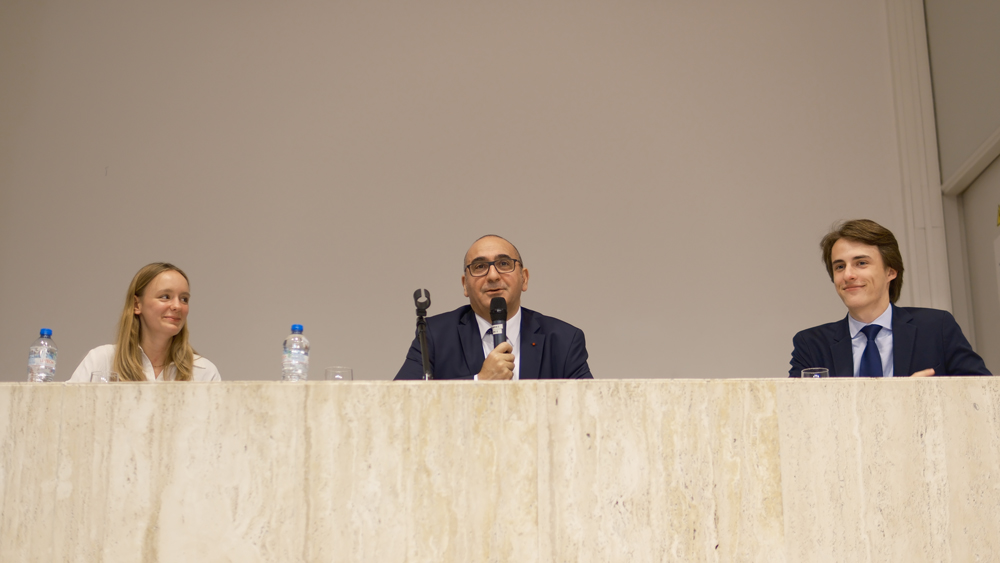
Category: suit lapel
<point>843,353</point>
<point>904,335</point>
<point>532,345</point>
<point>472,342</point>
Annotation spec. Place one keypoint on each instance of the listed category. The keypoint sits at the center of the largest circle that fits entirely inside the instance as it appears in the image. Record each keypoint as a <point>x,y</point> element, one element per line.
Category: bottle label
<point>42,357</point>
<point>296,357</point>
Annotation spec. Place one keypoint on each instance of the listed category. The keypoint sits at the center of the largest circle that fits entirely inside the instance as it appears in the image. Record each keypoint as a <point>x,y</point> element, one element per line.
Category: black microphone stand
<point>422,331</point>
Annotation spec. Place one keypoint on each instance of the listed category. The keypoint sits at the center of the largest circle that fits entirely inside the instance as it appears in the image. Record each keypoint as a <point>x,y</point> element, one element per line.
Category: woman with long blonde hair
<point>152,342</point>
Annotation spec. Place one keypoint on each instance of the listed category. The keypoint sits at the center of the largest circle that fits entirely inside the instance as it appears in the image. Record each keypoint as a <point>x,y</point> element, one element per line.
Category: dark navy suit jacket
<point>550,348</point>
<point>921,339</point>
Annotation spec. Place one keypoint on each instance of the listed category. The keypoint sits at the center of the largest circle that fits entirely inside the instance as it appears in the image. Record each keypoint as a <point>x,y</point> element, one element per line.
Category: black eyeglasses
<point>480,268</point>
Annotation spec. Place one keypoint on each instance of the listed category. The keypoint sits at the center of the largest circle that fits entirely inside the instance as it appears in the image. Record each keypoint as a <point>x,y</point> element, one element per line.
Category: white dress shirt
<point>102,358</point>
<point>513,336</point>
<point>883,340</point>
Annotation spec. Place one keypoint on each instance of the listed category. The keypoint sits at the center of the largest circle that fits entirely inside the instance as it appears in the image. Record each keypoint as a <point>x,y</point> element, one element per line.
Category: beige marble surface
<point>609,470</point>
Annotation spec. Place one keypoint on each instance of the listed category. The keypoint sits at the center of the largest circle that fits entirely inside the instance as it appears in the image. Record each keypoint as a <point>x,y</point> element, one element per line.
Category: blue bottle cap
<point>46,332</point>
<point>297,329</point>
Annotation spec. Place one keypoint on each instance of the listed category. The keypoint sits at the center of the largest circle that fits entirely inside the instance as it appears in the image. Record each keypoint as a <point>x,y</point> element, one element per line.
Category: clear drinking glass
<point>103,376</point>
<point>815,372</point>
<point>339,373</point>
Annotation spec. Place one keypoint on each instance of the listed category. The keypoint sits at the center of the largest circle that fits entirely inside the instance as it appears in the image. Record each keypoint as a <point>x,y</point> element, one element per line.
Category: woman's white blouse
<point>102,358</point>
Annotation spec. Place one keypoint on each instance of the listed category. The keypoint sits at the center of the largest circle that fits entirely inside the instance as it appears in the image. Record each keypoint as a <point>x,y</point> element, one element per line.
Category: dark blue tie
<point>871,361</point>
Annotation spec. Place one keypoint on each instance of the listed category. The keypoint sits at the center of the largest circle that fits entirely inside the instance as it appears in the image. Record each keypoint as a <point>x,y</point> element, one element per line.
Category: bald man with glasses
<point>460,344</point>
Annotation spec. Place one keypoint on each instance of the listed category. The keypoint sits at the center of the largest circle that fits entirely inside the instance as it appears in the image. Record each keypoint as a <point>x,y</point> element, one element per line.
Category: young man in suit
<point>877,338</point>
<point>460,346</point>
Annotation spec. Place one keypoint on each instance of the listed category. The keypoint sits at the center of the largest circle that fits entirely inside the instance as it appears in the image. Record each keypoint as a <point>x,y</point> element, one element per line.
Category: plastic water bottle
<point>295,364</point>
<point>42,358</point>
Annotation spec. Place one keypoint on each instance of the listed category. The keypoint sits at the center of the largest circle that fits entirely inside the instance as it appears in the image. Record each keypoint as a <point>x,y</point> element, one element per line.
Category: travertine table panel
<point>608,470</point>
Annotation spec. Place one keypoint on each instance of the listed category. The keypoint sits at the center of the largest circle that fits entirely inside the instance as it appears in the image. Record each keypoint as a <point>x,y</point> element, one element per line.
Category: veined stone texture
<point>598,471</point>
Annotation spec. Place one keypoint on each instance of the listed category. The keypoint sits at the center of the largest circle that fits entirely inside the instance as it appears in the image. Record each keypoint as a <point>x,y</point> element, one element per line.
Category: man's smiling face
<point>861,278</point>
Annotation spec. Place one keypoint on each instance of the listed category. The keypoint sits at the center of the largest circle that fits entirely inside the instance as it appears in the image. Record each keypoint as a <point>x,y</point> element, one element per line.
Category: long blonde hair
<point>128,356</point>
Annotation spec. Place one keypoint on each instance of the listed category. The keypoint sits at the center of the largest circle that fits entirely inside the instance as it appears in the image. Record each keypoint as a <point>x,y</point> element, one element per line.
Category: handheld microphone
<point>422,299</point>
<point>498,316</point>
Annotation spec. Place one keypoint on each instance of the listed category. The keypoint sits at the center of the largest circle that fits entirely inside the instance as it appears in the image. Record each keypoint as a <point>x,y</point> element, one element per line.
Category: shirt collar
<point>513,326</point>
<point>147,369</point>
<point>884,320</point>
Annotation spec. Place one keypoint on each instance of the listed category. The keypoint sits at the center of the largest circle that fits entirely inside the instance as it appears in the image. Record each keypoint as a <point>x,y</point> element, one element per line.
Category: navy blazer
<point>550,348</point>
<point>921,339</point>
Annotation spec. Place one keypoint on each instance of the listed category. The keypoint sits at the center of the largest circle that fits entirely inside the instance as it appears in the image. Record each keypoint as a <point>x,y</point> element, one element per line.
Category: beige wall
<point>981,204</point>
<point>964,47</point>
<point>666,169</point>
<point>964,50</point>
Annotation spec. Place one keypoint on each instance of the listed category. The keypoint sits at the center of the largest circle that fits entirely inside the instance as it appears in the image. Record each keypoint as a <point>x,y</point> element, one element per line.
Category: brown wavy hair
<point>128,356</point>
<point>871,233</point>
